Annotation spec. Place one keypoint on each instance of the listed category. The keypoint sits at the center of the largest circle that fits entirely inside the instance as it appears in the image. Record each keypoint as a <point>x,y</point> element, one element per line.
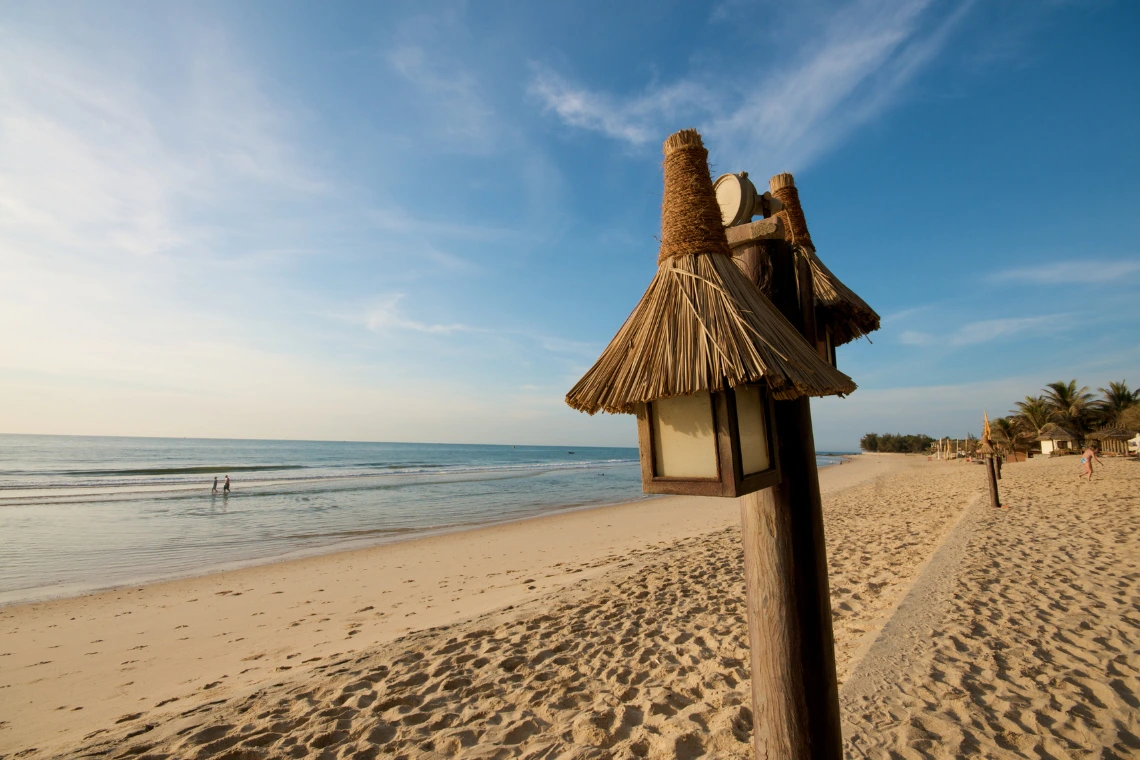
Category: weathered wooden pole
<point>769,261</point>
<point>779,706</point>
<point>799,493</point>
<point>780,722</point>
<point>991,478</point>
<point>792,285</point>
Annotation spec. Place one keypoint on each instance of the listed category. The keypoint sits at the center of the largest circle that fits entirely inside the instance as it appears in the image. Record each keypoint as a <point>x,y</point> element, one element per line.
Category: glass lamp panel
<point>753,429</point>
<point>684,437</point>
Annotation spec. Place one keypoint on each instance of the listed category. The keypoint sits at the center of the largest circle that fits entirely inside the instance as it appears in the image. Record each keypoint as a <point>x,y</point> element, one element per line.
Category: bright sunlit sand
<point>960,630</point>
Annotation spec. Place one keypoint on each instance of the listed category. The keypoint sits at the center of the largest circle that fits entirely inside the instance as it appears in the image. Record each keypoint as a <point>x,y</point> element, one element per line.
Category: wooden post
<point>991,478</point>
<point>779,711</point>
<point>797,498</point>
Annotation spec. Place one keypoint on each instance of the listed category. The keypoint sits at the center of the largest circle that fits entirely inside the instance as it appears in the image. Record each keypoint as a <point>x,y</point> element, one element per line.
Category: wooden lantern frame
<point>731,480</point>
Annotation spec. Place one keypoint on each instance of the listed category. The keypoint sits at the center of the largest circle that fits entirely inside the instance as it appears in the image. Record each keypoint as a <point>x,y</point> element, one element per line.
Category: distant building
<point>1112,440</point>
<point>1056,438</point>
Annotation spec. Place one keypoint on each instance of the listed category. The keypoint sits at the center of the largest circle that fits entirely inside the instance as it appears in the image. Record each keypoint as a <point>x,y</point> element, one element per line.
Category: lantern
<point>709,444</point>
<point>704,354</point>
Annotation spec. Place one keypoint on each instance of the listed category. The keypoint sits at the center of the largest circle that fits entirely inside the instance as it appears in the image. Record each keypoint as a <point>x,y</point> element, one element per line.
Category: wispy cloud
<point>1069,272</point>
<point>992,329</point>
<point>906,314</point>
<point>915,338</point>
<point>92,159</point>
<point>854,68</point>
<point>632,119</point>
<point>386,315</point>
<point>445,86</point>
<point>982,331</point>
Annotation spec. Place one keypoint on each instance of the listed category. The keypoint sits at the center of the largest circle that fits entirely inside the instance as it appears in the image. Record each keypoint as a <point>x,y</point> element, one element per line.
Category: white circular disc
<point>730,197</point>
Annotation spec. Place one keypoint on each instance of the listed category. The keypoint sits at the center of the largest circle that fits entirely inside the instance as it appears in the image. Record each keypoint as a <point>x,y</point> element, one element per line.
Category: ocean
<point>79,513</point>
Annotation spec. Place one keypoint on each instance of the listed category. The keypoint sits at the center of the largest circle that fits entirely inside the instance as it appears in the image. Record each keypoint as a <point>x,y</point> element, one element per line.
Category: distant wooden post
<point>991,477</point>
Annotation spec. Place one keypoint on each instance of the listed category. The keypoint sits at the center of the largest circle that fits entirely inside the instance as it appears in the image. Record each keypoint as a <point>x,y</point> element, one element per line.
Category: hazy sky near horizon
<point>424,221</point>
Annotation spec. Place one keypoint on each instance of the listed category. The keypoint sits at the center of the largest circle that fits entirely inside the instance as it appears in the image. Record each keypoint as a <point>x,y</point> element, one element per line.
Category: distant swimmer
<point>214,490</point>
<point>226,487</point>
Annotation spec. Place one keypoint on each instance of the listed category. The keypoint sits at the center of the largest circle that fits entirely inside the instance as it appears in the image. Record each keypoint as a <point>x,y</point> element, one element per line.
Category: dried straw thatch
<point>838,307</point>
<point>1054,432</point>
<point>701,325</point>
<point>986,445</point>
<point>1110,434</point>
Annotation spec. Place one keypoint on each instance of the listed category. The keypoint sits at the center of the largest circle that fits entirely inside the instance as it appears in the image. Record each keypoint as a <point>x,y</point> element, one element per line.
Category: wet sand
<point>618,632</point>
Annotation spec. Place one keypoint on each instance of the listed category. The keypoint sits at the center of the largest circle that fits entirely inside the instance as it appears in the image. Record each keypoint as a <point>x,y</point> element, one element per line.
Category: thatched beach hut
<point>702,325</point>
<point>1056,438</point>
<point>1112,441</point>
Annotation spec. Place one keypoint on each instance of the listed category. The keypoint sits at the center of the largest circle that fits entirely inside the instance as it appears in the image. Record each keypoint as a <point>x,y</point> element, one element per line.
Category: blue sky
<point>423,221</point>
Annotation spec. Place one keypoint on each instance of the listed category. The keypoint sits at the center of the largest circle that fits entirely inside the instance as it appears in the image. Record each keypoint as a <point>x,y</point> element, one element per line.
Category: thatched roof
<point>848,315</point>
<point>701,325</point>
<point>1056,433</point>
<point>1111,434</point>
<point>986,445</point>
<point>839,308</point>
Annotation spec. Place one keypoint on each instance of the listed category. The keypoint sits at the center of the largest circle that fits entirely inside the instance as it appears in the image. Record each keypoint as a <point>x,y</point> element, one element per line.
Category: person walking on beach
<point>226,487</point>
<point>1087,462</point>
<point>214,490</point>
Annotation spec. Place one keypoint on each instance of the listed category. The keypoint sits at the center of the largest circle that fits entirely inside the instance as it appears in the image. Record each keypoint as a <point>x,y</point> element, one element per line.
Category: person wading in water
<point>226,487</point>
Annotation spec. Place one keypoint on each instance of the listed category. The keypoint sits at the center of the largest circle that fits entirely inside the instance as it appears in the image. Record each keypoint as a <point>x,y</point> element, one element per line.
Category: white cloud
<point>632,119</point>
<point>915,338</point>
<point>992,329</point>
<point>556,345</point>
<point>847,73</point>
<point>94,163</point>
<point>983,331</point>
<point>1071,272</point>
<point>905,314</point>
<point>444,89</point>
<point>386,315</point>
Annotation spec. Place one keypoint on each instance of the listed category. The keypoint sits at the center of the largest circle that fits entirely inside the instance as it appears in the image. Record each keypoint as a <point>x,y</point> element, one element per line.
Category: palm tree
<point>1035,412</point>
<point>1116,399</point>
<point>1009,431</point>
<point>1071,406</point>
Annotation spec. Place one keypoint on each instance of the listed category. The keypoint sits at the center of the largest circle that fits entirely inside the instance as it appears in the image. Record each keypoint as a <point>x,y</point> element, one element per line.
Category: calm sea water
<point>84,513</point>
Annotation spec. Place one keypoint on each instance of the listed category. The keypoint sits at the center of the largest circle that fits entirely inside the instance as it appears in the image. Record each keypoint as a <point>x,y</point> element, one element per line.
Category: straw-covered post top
<point>783,187</point>
<point>986,445</point>
<point>690,217</point>
<point>844,313</point>
<point>701,325</point>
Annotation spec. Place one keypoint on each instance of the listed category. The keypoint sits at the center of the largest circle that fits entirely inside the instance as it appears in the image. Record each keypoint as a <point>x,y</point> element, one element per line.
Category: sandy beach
<point>618,631</point>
